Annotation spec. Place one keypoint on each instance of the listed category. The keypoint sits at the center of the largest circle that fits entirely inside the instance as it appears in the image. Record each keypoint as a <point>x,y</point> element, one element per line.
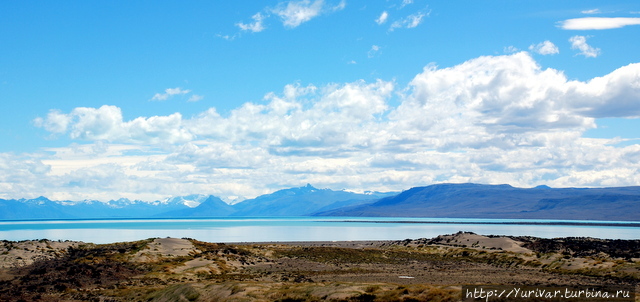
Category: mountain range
<point>439,200</point>
<point>505,202</point>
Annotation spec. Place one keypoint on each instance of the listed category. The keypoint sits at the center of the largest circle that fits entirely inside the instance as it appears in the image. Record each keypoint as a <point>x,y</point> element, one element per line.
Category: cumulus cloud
<point>55,122</point>
<point>106,123</point>
<point>489,102</point>
<point>597,23</point>
<point>545,48</point>
<point>493,119</point>
<point>383,18</point>
<point>168,93</point>
<point>613,95</point>
<point>506,94</point>
<point>302,120</point>
<point>580,43</point>
<point>256,26</point>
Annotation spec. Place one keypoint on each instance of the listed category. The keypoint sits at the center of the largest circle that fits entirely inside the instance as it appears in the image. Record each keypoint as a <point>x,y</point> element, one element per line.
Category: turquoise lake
<point>305,229</point>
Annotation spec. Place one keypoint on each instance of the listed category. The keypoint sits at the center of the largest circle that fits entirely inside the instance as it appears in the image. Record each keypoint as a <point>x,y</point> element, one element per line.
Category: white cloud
<point>511,49</point>
<point>545,48</point>
<point>106,123</point>
<point>499,102</point>
<point>291,13</point>
<point>256,26</point>
<point>405,3</point>
<point>55,122</point>
<point>580,43</point>
<point>227,37</point>
<point>410,21</point>
<point>168,93</point>
<point>383,18</point>
<point>295,13</point>
<point>591,11</point>
<point>157,130</point>
<point>195,98</point>
<point>613,95</point>
<point>494,119</point>
<point>21,175</point>
<point>414,20</point>
<point>373,51</point>
<point>597,23</point>
<point>339,6</point>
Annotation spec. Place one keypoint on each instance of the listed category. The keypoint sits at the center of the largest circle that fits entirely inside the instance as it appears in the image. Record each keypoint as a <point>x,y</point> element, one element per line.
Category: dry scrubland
<point>171,269</point>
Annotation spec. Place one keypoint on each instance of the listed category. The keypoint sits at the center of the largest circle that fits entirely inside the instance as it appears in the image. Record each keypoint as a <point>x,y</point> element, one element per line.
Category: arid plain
<point>173,269</point>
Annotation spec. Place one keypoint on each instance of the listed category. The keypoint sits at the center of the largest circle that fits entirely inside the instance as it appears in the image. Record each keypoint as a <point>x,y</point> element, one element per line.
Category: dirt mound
<point>472,240</point>
<point>165,247</point>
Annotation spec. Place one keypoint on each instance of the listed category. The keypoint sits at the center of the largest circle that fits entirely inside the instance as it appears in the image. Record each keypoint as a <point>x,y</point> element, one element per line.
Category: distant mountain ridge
<point>43,208</point>
<point>210,207</point>
<point>439,200</point>
<point>505,202</point>
<point>301,201</point>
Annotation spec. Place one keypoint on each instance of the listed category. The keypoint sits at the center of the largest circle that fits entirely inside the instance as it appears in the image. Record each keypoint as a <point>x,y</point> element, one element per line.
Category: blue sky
<point>150,99</point>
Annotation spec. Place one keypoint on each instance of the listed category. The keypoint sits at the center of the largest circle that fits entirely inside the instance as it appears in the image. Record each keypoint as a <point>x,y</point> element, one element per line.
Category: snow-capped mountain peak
<point>191,201</point>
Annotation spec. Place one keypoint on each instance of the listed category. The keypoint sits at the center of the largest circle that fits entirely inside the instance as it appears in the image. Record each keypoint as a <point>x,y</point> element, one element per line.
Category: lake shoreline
<point>296,229</point>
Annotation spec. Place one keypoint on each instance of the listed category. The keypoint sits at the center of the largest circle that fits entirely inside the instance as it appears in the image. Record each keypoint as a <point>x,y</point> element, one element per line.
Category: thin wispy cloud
<point>591,11</point>
<point>339,6</point>
<point>295,13</point>
<point>375,49</point>
<point>411,21</point>
<point>597,23</point>
<point>195,98</point>
<point>291,14</point>
<point>168,93</point>
<point>511,49</point>
<point>580,43</point>
<point>227,37</point>
<point>405,3</point>
<point>256,26</point>
<point>545,48</point>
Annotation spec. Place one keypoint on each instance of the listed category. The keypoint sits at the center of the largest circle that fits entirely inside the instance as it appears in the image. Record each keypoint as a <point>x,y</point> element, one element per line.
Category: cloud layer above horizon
<point>491,119</point>
<point>598,23</point>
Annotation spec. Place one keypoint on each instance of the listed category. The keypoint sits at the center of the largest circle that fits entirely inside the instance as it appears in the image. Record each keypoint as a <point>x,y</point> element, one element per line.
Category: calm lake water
<point>305,229</point>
